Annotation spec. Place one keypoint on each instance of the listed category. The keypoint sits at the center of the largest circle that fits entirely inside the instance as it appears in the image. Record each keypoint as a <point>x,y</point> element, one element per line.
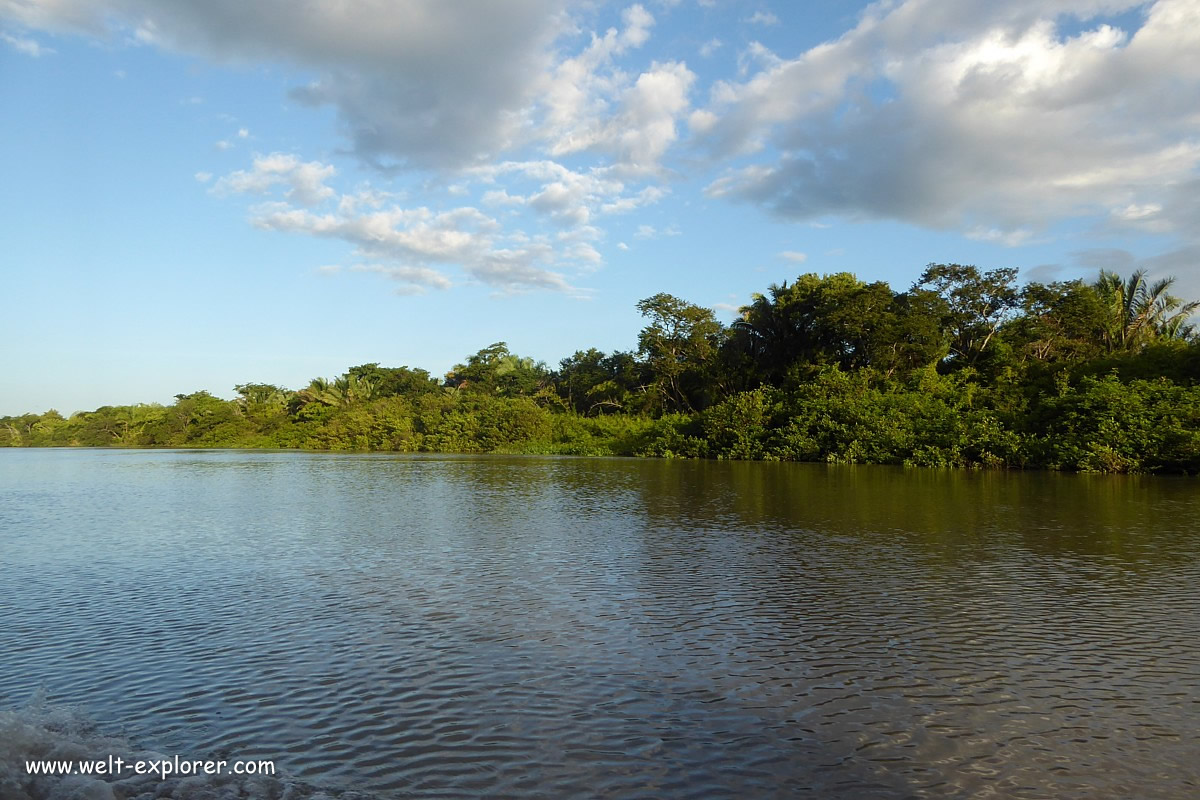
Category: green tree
<point>594,383</point>
<point>395,381</point>
<point>977,304</point>
<point>680,346</point>
<point>496,370</point>
<point>1140,312</point>
<point>838,320</point>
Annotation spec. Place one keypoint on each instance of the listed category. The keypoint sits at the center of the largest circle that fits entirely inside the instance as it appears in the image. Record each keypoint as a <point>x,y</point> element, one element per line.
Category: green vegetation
<point>964,369</point>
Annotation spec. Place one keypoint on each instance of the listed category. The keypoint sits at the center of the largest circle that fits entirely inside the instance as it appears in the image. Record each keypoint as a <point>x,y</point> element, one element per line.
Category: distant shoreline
<point>965,369</point>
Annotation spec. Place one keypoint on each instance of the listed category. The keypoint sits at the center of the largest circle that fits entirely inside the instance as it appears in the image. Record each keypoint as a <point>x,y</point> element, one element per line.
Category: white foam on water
<point>41,732</point>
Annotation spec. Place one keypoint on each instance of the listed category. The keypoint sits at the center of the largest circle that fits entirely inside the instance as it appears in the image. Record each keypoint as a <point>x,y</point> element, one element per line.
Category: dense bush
<point>961,370</point>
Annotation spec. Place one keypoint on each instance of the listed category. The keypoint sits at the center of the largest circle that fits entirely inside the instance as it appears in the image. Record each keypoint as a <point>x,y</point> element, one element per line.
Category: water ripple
<point>455,626</point>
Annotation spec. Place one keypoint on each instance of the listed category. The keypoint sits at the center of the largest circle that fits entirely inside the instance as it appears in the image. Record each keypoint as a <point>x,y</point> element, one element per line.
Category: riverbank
<point>1093,425</point>
<point>964,369</point>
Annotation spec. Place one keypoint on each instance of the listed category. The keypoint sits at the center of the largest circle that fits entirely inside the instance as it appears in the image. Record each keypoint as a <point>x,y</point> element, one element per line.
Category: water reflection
<point>558,626</point>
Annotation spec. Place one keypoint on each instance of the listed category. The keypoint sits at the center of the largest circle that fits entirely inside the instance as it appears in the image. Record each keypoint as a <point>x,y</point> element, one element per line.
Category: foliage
<point>976,305</point>
<point>839,320</point>
<point>680,347</point>
<point>961,370</point>
<point>1138,312</point>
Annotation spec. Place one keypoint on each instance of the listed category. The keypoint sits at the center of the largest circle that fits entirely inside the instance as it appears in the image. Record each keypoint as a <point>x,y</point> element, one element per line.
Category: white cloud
<point>621,205</point>
<point>203,177</point>
<point>794,256</point>
<point>622,246</point>
<point>995,120</point>
<point>414,82</point>
<point>982,117</point>
<point>404,244</point>
<point>651,232</point>
<point>441,88</point>
<point>763,18</point>
<point>305,180</point>
<point>29,47</point>
<point>591,105</point>
<point>566,197</point>
<point>710,47</point>
<point>412,280</point>
<point>1136,213</point>
<point>501,197</point>
<point>1008,238</point>
<point>412,245</point>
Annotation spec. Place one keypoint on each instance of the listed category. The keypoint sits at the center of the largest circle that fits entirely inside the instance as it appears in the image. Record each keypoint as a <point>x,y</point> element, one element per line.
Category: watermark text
<point>162,769</point>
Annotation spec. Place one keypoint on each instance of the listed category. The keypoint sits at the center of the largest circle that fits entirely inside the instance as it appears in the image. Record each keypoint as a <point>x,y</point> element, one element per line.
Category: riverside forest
<point>966,368</point>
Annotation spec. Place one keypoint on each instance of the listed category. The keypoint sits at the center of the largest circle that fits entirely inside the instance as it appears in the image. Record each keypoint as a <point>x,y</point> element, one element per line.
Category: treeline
<point>964,369</point>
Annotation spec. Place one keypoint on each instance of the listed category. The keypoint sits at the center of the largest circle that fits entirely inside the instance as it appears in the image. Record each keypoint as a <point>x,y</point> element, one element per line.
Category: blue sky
<point>199,194</point>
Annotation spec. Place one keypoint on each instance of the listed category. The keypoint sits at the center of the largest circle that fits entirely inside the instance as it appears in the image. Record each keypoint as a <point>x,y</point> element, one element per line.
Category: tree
<point>339,393</point>
<point>495,370</point>
<point>594,383</point>
<point>251,395</point>
<point>977,304</point>
<point>838,320</point>
<point>189,419</point>
<point>1060,322</point>
<point>1140,312</point>
<point>395,381</point>
<point>679,345</point>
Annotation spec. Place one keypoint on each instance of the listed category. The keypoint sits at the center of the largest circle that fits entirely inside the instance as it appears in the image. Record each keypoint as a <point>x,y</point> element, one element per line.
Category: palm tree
<point>1178,326</point>
<point>353,389</point>
<point>1140,312</point>
<point>321,391</point>
<point>344,391</point>
<point>776,328</point>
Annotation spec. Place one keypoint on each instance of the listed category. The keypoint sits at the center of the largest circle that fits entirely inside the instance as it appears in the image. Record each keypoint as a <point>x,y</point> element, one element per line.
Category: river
<point>457,626</point>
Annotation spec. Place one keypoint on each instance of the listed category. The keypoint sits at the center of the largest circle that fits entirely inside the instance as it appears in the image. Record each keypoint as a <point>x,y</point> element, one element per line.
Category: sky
<point>202,193</point>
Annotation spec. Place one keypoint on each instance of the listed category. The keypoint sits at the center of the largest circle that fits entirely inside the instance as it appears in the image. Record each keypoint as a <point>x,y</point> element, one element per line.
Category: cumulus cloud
<point>793,256</point>
<point>410,245</point>
<point>412,280</point>
<point>25,45</point>
<point>501,197</point>
<point>443,88</point>
<point>566,197</point>
<point>415,82</point>
<point>763,18</point>
<point>305,180</point>
<point>988,118</point>
<point>589,104</point>
<point>1008,238</point>
<point>995,120</point>
<point>710,47</point>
